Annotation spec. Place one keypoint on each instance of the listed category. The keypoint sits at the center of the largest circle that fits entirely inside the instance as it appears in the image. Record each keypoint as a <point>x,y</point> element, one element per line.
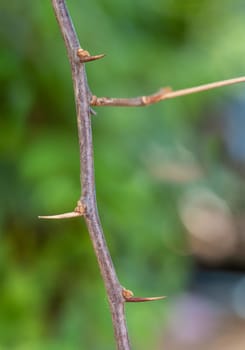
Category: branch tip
<point>85,56</point>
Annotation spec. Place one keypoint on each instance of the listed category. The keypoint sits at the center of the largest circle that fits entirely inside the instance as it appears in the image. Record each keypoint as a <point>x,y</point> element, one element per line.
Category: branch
<point>162,94</point>
<point>88,196</point>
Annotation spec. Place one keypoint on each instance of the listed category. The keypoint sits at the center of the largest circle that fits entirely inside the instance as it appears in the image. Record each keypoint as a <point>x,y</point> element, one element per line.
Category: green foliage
<point>51,291</point>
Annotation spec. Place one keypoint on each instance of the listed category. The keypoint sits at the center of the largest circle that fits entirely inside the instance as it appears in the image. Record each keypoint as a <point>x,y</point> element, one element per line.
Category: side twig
<point>162,94</point>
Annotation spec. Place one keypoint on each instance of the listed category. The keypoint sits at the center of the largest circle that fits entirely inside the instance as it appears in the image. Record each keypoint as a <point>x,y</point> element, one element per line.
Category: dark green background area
<point>51,293</point>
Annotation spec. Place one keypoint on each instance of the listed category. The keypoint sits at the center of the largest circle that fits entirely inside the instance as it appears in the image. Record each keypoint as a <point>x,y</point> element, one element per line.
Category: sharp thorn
<point>85,56</point>
<point>91,58</point>
<point>142,300</point>
<point>72,214</point>
<point>92,111</point>
<point>129,297</point>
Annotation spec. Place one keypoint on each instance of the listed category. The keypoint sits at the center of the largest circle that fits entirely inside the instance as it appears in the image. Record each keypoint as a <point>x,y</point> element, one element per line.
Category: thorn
<point>78,211</point>
<point>72,214</point>
<point>92,111</point>
<point>92,58</point>
<point>85,56</point>
<point>129,297</point>
<point>142,300</point>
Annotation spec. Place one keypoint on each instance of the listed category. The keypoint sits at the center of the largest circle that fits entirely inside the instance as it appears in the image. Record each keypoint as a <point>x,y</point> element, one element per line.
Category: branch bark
<point>87,204</point>
<point>88,195</point>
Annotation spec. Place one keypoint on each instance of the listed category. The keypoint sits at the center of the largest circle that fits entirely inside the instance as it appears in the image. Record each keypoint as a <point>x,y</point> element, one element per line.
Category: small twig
<point>130,102</point>
<point>162,94</point>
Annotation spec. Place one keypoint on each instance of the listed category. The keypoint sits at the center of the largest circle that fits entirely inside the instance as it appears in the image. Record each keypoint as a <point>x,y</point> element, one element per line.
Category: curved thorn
<point>92,111</point>
<point>72,214</point>
<point>91,58</point>
<point>85,56</point>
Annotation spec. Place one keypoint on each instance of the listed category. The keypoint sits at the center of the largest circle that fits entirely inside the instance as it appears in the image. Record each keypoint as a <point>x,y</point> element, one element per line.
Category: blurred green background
<point>146,159</point>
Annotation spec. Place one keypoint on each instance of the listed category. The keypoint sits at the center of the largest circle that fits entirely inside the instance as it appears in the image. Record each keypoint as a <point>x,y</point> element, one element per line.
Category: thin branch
<point>162,94</point>
<point>130,102</point>
<point>87,205</point>
<point>88,196</point>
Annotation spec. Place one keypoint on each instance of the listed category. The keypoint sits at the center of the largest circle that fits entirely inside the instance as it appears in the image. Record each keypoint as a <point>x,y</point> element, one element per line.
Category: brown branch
<point>87,205</point>
<point>88,196</point>
<point>162,94</point>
